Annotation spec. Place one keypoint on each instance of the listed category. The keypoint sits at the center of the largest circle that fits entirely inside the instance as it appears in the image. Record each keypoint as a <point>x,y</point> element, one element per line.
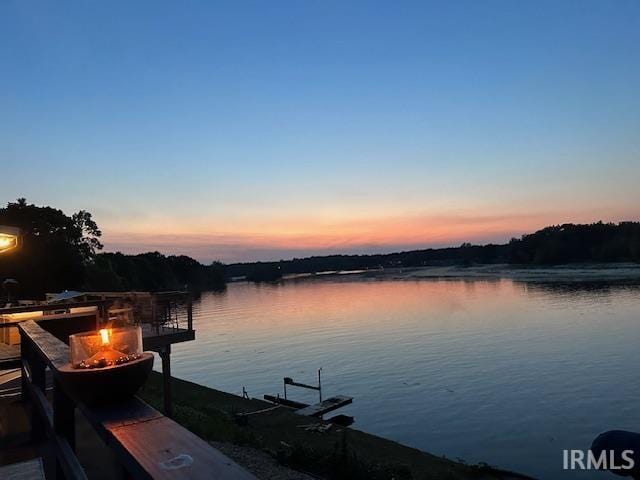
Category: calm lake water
<point>495,371</point>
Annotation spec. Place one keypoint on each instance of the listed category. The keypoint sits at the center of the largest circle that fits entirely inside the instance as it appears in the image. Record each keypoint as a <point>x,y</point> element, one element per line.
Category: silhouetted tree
<point>59,252</point>
<point>153,272</point>
<point>597,242</point>
<point>55,248</point>
<point>264,272</point>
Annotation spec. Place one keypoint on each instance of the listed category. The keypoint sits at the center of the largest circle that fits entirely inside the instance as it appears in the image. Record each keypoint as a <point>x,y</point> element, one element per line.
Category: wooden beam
<point>46,346</point>
<point>165,355</point>
<point>152,446</point>
<point>54,306</point>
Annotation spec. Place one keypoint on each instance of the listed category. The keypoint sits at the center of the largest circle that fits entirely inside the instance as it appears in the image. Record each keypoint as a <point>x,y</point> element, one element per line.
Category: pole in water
<point>320,383</point>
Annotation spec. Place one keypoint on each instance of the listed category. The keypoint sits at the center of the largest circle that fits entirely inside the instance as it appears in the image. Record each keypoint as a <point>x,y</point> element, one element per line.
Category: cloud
<point>295,237</point>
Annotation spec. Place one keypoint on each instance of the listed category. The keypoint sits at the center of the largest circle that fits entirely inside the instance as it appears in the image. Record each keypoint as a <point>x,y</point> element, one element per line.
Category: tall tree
<point>55,248</point>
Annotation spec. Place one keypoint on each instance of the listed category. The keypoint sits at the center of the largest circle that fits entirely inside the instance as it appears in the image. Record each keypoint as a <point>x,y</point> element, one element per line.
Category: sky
<point>242,131</point>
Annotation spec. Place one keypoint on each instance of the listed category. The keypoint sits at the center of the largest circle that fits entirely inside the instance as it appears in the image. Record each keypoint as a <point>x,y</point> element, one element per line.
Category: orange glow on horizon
<point>315,233</point>
<point>214,238</point>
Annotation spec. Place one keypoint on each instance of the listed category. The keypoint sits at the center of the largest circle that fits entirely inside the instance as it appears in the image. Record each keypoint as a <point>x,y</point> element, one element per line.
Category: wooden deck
<point>147,444</point>
<point>27,470</point>
<point>157,337</point>
<point>9,356</point>
<point>154,337</point>
<point>10,384</point>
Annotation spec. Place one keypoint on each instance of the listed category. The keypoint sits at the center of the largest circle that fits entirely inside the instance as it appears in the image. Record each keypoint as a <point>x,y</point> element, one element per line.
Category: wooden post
<point>63,421</point>
<point>37,369</point>
<point>24,353</point>
<point>165,355</point>
<point>64,414</point>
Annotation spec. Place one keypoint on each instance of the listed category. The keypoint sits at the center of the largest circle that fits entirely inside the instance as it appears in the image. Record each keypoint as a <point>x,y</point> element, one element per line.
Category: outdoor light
<point>9,238</point>
<point>106,365</point>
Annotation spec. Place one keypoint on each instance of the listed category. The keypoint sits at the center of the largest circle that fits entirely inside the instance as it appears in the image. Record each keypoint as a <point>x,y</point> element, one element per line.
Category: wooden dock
<point>326,406</point>
<point>313,410</point>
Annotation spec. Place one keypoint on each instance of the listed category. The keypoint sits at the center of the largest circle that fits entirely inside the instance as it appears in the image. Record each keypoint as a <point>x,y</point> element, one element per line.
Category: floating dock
<point>311,410</point>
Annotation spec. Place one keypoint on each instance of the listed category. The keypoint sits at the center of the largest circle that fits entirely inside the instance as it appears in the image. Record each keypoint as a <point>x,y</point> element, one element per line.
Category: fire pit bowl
<point>106,366</point>
<point>108,384</point>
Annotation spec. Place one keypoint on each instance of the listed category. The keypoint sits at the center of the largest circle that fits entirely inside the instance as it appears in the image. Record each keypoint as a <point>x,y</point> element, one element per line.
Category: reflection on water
<point>497,371</point>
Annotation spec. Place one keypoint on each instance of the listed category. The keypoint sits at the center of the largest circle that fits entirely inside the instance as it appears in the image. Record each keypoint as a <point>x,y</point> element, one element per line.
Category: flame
<point>104,335</point>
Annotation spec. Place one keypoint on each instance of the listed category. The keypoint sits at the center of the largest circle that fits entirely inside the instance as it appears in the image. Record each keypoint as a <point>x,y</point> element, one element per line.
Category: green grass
<point>338,454</point>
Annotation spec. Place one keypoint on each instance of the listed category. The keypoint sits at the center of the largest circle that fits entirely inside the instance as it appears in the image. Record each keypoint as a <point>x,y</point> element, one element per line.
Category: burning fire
<point>107,356</point>
<point>104,336</point>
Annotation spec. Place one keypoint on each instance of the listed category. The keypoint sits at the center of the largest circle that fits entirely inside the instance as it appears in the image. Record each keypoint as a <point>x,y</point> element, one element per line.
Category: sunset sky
<point>267,130</point>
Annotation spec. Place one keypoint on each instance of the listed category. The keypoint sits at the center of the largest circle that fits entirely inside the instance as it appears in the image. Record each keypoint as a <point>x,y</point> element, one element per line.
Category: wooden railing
<point>46,307</point>
<point>147,444</point>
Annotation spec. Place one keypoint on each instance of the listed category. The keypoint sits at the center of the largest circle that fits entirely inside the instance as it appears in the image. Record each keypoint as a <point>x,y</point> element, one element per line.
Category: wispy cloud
<point>295,237</point>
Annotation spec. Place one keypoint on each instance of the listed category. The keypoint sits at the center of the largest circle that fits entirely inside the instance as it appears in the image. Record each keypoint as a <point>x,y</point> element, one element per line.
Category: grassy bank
<point>338,453</point>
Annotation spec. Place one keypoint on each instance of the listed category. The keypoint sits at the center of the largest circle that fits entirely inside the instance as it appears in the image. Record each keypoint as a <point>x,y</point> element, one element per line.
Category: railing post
<point>63,420</point>
<point>165,355</point>
<point>37,369</point>
<point>24,355</point>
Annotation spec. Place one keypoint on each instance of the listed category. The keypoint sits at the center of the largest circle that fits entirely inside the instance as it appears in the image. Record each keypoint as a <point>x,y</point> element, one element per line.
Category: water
<point>497,371</point>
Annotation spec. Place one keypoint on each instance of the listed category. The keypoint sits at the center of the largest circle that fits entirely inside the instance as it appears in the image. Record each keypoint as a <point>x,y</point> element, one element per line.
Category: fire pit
<point>107,365</point>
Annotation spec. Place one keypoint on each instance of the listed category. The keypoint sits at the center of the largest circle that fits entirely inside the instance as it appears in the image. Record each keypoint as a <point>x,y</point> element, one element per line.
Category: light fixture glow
<point>9,238</point>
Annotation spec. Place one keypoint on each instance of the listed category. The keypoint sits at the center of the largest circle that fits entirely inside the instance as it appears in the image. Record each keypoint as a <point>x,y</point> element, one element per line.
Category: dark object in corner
<point>618,441</point>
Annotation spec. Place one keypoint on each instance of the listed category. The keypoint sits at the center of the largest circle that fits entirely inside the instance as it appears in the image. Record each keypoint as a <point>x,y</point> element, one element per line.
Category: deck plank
<point>9,355</point>
<point>146,441</point>
<point>179,455</point>
<point>56,351</point>
<point>28,470</point>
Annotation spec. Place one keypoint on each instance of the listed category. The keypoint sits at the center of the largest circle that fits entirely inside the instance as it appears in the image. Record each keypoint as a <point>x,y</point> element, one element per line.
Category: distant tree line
<point>151,272</point>
<point>568,243</point>
<point>61,252</point>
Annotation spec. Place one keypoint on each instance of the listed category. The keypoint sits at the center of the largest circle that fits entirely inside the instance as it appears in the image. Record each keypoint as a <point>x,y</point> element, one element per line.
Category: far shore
<point>582,272</point>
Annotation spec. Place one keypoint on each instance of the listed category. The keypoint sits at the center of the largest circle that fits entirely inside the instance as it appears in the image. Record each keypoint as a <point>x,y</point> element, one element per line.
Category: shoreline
<point>339,452</point>
<point>565,273</point>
